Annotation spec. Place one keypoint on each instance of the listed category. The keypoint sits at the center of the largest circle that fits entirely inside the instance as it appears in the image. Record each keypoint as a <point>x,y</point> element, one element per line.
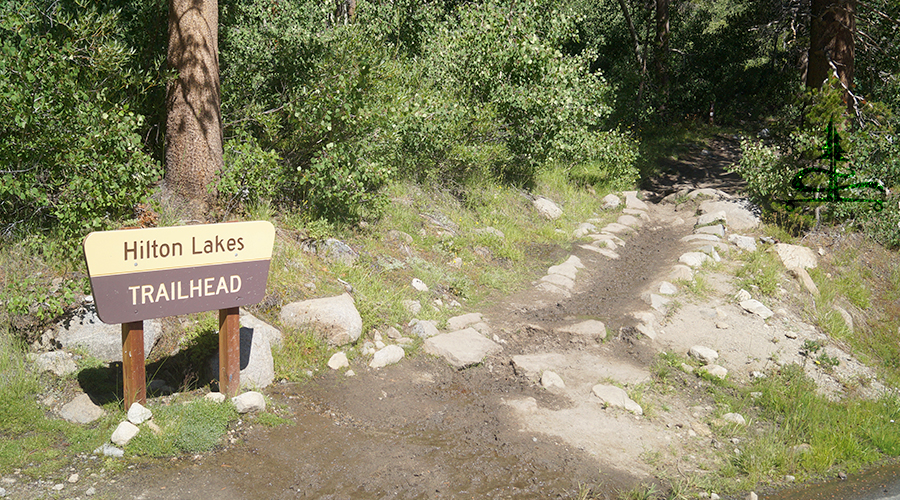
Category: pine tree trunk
<point>832,24</point>
<point>661,50</point>
<point>194,121</point>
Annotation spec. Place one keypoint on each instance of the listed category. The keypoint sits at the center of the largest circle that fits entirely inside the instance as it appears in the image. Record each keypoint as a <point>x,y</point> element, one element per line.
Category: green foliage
<point>191,427</point>
<point>251,174</point>
<point>72,158</point>
<point>870,154</point>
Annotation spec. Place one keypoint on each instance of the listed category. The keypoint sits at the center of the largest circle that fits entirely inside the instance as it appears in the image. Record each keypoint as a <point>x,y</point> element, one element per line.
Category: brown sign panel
<point>151,273</point>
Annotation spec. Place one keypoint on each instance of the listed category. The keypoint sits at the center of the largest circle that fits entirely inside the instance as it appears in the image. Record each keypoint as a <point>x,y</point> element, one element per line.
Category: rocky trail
<point>546,392</point>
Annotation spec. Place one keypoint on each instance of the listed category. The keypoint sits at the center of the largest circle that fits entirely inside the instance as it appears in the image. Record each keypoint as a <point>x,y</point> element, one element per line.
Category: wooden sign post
<point>151,273</point>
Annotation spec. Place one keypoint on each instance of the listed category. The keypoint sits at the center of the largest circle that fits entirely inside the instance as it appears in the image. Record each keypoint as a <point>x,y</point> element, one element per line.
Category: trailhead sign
<point>140,274</point>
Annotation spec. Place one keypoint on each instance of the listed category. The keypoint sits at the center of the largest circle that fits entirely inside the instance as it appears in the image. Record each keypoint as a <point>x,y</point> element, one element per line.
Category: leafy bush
<point>871,155</point>
<point>72,158</point>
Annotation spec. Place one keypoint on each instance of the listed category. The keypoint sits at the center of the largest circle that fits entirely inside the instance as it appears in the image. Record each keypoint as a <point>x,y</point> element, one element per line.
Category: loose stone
<point>756,307</point>
<point>250,401</point>
<point>338,360</point>
<point>124,433</point>
<point>138,414</point>
<point>388,356</point>
<point>703,354</point>
<point>551,379</point>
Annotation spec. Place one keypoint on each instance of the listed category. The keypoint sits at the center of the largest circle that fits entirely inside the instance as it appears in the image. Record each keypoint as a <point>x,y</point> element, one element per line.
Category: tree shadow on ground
<point>701,167</point>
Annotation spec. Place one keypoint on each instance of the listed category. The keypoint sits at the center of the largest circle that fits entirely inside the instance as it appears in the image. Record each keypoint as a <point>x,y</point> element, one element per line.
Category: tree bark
<point>194,121</point>
<point>661,51</point>
<point>831,44</point>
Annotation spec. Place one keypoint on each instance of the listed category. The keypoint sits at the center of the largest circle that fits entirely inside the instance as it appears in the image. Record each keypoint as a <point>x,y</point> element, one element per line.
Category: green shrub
<point>71,153</point>
<point>192,427</point>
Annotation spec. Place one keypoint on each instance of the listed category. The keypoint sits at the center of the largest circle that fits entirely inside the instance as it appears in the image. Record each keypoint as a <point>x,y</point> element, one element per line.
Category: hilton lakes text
<point>152,249</point>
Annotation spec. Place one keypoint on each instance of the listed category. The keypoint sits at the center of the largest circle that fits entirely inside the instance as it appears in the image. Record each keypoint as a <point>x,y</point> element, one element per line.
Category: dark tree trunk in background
<point>831,44</point>
<point>661,51</point>
<point>194,121</point>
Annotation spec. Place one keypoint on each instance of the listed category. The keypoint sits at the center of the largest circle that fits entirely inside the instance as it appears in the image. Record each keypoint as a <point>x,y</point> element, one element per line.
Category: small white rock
<point>551,379</point>
<point>338,360</point>
<point>138,414</point>
<point>419,285</point>
<point>249,401</point>
<point>124,433</point>
<point>734,418</point>
<point>389,355</point>
<point>215,397</point>
<point>73,478</point>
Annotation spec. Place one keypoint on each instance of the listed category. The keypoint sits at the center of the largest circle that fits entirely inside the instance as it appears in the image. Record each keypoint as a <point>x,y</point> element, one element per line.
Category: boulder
<point>332,250</point>
<point>794,256</point>
<point>256,363</point>
<point>258,326</point>
<point>584,229</point>
<point>60,363</point>
<point>611,395</point>
<point>667,288</point>
<point>124,433</point>
<point>424,329</point>
<point>547,208</point>
<point>632,201</point>
<point>388,356</point>
<point>462,348</point>
<point>552,379</point>
<point>338,360</point>
<point>459,322</point>
<point>81,410</point>
<point>693,259</point>
<point>716,371</point>
<point>716,229</point>
<point>611,201</point>
<point>559,280</point>
<point>412,306</point>
<point>85,331</point>
<point>734,418</point>
<point>740,214</point>
<point>566,269</point>
<point>336,317</point>
<point>746,243</point>
<point>712,217</point>
<point>138,414</point>
<point>703,354</point>
<point>756,307</point>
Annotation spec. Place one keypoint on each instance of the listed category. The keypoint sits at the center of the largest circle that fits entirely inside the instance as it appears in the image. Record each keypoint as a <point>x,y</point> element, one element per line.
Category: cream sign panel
<point>151,273</point>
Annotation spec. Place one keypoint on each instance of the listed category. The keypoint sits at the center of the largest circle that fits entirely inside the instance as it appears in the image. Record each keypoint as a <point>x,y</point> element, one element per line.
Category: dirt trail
<point>422,429</point>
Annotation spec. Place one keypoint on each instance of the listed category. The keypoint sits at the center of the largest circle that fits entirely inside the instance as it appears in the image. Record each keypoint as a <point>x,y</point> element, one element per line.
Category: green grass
<point>850,433</point>
<point>302,352</point>
<point>761,272</point>
<point>698,287</point>
<point>30,440</point>
<point>185,427</point>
